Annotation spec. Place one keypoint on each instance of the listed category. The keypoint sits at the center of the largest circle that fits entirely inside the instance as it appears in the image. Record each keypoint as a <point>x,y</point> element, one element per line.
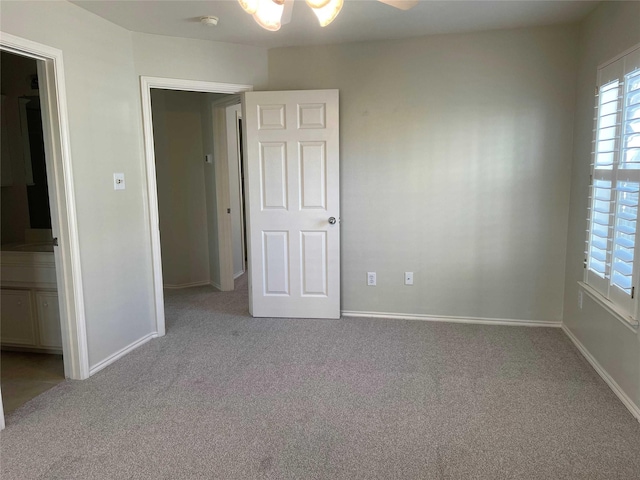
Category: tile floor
<point>26,375</point>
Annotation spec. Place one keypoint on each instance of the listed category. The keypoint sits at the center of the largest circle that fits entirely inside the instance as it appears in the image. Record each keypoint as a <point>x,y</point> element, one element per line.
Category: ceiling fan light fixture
<point>269,14</point>
<point>328,13</point>
<point>249,6</point>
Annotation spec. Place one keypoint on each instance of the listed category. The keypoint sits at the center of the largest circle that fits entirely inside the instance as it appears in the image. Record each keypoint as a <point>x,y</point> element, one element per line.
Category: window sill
<point>627,320</point>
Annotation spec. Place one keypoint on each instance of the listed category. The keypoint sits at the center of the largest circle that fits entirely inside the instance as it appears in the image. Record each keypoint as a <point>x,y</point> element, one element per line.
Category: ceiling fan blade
<point>401,4</point>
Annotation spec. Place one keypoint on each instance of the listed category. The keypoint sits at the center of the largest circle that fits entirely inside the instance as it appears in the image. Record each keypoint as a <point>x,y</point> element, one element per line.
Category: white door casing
<point>234,112</point>
<point>292,184</point>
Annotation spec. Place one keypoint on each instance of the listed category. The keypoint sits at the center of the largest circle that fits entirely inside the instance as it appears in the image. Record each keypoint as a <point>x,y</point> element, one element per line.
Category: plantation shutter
<point>612,240</point>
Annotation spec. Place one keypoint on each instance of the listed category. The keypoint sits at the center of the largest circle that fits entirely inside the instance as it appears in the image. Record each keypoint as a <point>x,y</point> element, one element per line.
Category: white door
<point>293,214</point>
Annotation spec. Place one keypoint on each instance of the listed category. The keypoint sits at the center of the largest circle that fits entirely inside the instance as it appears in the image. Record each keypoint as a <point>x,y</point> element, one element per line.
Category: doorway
<point>56,312</point>
<point>221,186</point>
<point>189,150</point>
<point>30,333</point>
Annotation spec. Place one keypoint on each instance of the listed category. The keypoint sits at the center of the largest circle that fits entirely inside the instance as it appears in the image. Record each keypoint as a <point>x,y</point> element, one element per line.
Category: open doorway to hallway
<point>198,170</point>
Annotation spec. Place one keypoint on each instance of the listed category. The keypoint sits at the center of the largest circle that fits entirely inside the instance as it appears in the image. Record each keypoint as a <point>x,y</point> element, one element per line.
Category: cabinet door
<point>17,318</point>
<point>48,319</point>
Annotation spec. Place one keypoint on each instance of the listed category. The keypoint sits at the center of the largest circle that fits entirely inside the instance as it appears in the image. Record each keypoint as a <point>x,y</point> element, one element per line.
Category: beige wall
<point>102,64</point>
<point>608,31</point>
<point>105,131</point>
<point>180,169</point>
<point>190,59</point>
<point>455,165</point>
<point>15,83</point>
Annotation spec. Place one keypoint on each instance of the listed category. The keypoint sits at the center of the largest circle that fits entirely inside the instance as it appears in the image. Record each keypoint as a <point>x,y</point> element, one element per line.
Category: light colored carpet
<point>225,396</point>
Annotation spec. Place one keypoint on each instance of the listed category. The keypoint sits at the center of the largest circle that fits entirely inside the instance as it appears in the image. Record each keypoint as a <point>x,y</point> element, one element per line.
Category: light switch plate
<point>208,158</point>
<point>408,278</point>
<point>118,181</point>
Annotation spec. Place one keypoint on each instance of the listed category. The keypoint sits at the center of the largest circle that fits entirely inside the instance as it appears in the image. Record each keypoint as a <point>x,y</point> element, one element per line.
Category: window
<point>613,241</point>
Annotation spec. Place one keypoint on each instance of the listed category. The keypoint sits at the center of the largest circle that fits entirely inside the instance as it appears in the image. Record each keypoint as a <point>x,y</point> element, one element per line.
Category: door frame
<point>64,220</point>
<point>146,84</point>
<point>233,136</point>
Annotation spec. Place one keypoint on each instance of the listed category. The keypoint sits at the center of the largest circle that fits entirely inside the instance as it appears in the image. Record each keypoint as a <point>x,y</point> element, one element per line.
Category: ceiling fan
<point>271,14</point>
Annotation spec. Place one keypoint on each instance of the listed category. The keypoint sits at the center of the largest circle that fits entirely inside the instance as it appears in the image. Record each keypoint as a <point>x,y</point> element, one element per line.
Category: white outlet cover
<point>118,181</point>
<point>371,279</point>
<point>408,278</point>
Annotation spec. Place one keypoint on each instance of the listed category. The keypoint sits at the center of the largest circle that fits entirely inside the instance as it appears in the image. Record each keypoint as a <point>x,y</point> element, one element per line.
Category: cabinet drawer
<point>48,319</point>
<point>16,318</point>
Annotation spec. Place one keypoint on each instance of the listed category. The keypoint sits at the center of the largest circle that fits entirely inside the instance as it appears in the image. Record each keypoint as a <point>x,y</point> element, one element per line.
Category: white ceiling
<point>359,20</point>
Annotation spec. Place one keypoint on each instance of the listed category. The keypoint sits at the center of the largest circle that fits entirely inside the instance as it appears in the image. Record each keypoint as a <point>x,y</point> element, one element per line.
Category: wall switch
<point>118,181</point>
<point>208,158</point>
<point>580,299</point>
<point>371,279</point>
<point>408,278</point>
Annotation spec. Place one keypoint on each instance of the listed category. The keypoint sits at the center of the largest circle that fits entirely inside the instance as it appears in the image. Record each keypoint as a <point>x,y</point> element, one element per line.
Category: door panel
<point>313,247</point>
<point>273,163</point>
<point>275,252</point>
<point>313,176</point>
<point>292,184</point>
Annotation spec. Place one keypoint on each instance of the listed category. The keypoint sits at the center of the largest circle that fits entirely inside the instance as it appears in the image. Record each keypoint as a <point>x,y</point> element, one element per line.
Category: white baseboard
<point>447,319</point>
<point>215,285</point>
<point>624,398</point>
<point>121,353</point>
<point>239,274</point>
<point>185,285</point>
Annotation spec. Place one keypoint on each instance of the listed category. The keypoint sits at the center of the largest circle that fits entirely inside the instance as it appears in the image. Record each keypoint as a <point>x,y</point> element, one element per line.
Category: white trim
<point>2,424</point>
<point>618,57</point>
<point>449,319</point>
<point>223,196</point>
<point>121,353</point>
<point>238,275</point>
<point>610,307</point>
<point>62,199</point>
<point>216,286</point>
<point>624,398</point>
<point>146,84</point>
<point>187,285</point>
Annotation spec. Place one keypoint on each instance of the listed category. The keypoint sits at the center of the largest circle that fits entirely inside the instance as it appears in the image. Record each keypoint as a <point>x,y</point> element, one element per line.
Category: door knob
<point>332,220</point>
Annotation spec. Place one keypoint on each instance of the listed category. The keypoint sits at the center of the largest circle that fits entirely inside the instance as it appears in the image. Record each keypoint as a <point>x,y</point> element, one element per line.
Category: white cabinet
<point>29,309</point>
<point>48,319</point>
<point>17,326</point>
<point>30,319</point>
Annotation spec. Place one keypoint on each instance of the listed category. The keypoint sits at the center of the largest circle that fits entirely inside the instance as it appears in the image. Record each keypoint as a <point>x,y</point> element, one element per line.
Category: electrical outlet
<point>408,278</point>
<point>580,299</point>
<point>371,279</point>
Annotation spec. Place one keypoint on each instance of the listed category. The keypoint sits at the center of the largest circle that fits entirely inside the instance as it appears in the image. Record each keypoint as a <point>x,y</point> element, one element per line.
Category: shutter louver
<point>628,186</point>
<point>603,194</point>
<point>612,265</point>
